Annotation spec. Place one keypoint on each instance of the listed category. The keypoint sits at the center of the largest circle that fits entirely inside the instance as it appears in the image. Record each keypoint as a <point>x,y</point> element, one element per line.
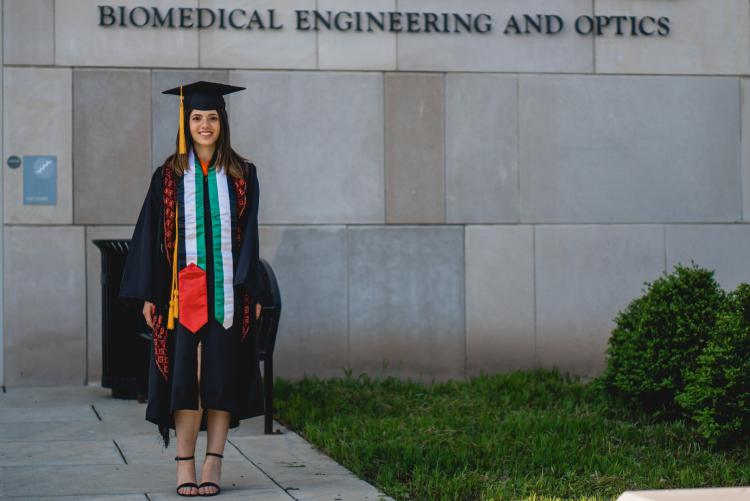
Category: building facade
<point>446,187</point>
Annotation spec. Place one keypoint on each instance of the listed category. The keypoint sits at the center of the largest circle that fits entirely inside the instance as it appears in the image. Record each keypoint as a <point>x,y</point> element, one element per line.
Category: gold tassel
<point>173,300</point>
<point>182,146</point>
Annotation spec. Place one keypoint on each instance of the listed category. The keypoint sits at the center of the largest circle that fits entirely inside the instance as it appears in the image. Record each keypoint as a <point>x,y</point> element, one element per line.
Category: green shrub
<point>717,393</point>
<point>658,337</point>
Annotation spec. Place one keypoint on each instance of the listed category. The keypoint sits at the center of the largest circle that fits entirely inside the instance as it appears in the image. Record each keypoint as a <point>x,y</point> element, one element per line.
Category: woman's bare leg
<point>187,423</point>
<point>218,428</point>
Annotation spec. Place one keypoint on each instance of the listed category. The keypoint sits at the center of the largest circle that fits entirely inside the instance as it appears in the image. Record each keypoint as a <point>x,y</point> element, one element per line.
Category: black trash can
<point>125,353</point>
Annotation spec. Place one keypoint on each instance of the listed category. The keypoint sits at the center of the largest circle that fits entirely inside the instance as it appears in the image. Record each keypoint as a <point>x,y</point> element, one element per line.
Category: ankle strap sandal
<point>186,484</point>
<point>212,484</point>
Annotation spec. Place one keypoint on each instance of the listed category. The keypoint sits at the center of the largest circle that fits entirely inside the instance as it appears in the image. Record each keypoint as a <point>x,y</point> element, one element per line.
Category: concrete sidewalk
<point>76,442</point>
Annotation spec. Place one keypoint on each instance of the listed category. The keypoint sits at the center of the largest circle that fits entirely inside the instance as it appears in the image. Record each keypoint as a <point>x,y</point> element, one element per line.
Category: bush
<point>658,337</point>
<point>717,393</point>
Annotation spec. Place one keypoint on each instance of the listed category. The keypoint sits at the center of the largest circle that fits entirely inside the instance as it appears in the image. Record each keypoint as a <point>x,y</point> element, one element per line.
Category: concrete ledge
<point>712,494</point>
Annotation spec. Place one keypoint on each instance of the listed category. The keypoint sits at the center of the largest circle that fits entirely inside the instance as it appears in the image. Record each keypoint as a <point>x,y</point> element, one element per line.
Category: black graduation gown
<point>230,372</point>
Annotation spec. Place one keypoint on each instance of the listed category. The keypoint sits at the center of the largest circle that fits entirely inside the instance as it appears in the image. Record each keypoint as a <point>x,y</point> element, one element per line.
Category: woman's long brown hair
<point>225,155</point>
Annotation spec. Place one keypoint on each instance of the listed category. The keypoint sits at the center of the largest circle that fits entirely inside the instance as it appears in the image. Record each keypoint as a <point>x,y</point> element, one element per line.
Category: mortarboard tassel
<point>182,148</point>
<point>173,299</point>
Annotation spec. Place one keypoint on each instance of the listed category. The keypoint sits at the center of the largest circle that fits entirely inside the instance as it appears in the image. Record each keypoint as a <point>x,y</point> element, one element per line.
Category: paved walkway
<point>76,442</point>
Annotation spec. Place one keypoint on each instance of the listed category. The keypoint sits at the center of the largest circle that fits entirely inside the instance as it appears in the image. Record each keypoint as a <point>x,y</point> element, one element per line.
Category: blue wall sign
<point>40,180</point>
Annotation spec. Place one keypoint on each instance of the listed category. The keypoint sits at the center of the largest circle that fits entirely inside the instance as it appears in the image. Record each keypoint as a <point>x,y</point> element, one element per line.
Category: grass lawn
<point>525,435</point>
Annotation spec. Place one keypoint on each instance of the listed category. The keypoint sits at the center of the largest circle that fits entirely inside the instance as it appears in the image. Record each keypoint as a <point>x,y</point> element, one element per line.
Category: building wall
<point>434,205</point>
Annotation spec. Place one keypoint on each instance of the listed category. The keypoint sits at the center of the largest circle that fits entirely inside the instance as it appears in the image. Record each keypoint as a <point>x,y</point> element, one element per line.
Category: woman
<point>193,261</point>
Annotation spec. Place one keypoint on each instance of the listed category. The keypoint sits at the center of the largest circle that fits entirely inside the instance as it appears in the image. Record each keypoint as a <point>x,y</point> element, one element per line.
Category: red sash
<point>193,297</point>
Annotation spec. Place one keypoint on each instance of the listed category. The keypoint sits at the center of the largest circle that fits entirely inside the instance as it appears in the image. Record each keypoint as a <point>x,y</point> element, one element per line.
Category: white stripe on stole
<point>225,212</point>
<point>191,237</point>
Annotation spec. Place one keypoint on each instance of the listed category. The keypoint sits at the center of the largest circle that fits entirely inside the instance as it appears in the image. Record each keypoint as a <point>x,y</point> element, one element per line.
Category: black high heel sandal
<point>186,484</point>
<point>212,484</point>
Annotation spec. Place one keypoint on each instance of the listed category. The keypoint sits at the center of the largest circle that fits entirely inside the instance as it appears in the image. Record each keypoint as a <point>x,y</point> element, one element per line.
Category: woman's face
<point>204,126</point>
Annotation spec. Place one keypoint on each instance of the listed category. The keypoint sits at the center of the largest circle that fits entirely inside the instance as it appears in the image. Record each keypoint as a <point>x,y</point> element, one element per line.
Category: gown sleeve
<point>141,268</point>
<point>248,263</point>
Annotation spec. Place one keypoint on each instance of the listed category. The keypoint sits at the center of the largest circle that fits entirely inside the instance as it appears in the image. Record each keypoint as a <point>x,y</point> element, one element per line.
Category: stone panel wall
<point>435,205</point>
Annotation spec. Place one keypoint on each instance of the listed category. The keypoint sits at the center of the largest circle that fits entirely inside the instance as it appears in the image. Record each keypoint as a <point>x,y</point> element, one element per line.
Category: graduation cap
<point>200,95</point>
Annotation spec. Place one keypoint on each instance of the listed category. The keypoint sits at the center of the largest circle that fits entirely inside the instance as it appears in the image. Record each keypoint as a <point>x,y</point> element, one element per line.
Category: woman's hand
<point>148,313</point>
<point>258,307</point>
